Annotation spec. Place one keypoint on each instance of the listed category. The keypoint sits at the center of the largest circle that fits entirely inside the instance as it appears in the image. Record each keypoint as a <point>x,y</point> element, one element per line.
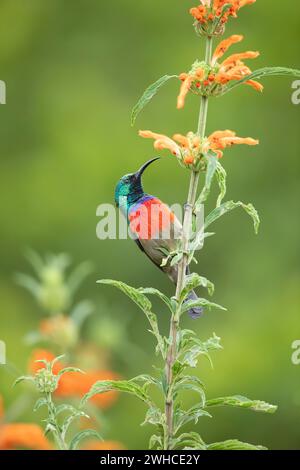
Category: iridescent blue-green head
<point>129,189</point>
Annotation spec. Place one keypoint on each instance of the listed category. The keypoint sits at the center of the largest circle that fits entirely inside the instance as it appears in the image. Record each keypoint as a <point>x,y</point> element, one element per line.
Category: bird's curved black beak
<point>143,168</point>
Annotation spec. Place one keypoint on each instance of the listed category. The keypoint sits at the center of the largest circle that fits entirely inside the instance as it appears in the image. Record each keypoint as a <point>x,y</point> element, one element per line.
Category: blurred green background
<point>73,70</point>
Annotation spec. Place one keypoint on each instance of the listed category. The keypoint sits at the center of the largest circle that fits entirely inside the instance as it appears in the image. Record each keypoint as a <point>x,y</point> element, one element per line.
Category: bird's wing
<point>157,231</point>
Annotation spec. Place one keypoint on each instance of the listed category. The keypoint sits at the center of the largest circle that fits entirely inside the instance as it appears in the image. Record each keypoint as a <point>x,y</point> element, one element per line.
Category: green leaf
<point>234,444</point>
<point>125,386</point>
<point>66,370</point>
<point>242,402</point>
<point>35,260</point>
<point>191,383</point>
<point>221,178</point>
<point>147,380</point>
<point>134,294</point>
<point>228,207</point>
<point>191,440</point>
<point>190,304</point>
<point>70,419</point>
<point>193,347</point>
<point>192,415</point>
<point>156,442</point>
<point>154,416</point>
<point>88,433</point>
<point>65,407</point>
<point>81,312</point>
<point>212,164</point>
<point>192,281</point>
<point>23,378</point>
<point>262,73</point>
<point>163,297</point>
<point>78,276</point>
<point>147,96</point>
<point>39,403</point>
<point>145,305</point>
<point>29,283</point>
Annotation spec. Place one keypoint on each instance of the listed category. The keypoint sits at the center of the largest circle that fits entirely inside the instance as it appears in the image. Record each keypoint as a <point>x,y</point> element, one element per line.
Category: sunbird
<point>155,228</point>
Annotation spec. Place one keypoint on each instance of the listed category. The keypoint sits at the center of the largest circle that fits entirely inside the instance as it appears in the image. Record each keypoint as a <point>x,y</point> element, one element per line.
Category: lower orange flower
<point>21,435</point>
<point>73,385</point>
<point>104,445</point>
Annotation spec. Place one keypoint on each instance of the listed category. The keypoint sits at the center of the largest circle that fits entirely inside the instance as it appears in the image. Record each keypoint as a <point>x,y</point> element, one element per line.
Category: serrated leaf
<point>190,383</point>
<point>23,378</point>
<point>70,419</point>
<point>66,370</point>
<point>88,433</point>
<point>156,442</point>
<point>190,304</point>
<point>39,403</point>
<point>147,380</point>
<point>228,207</point>
<point>125,386</point>
<point>65,407</point>
<point>147,96</point>
<point>137,297</point>
<point>145,305</point>
<point>163,297</point>
<point>221,176</point>
<point>212,164</point>
<point>234,444</point>
<point>154,416</point>
<point>192,281</point>
<point>191,440</point>
<point>191,415</point>
<point>262,73</point>
<point>242,402</point>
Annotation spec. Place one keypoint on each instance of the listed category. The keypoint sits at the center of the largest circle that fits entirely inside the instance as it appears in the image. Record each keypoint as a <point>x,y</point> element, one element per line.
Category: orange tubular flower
<point>207,80</point>
<point>211,15</point>
<point>220,140</point>
<point>190,148</point>
<point>233,68</point>
<point>185,148</point>
<point>71,385</point>
<point>21,436</point>
<point>103,445</point>
<point>161,142</point>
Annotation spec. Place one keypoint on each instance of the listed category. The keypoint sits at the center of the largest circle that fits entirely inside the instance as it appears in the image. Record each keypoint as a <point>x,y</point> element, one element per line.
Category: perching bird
<point>154,227</point>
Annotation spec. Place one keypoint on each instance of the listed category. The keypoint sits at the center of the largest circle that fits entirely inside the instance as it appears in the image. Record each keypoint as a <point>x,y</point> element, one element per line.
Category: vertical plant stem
<point>52,417</point>
<point>182,269</point>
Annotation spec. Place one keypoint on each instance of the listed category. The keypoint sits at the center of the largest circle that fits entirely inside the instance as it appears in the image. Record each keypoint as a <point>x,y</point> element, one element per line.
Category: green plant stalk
<point>52,416</point>
<point>182,268</point>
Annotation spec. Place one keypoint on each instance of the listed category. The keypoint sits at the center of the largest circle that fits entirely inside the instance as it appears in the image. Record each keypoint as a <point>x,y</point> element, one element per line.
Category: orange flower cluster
<point>70,385</point>
<point>103,445</point>
<point>22,435</point>
<point>189,149</point>
<point>213,10</point>
<point>210,79</point>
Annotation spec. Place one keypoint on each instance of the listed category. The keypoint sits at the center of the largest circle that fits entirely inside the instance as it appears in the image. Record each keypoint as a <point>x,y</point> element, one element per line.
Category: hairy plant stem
<point>182,269</point>
<point>52,417</point>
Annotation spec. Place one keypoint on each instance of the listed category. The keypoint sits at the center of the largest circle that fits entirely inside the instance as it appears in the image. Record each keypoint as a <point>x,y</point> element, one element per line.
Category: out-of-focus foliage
<point>73,72</point>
